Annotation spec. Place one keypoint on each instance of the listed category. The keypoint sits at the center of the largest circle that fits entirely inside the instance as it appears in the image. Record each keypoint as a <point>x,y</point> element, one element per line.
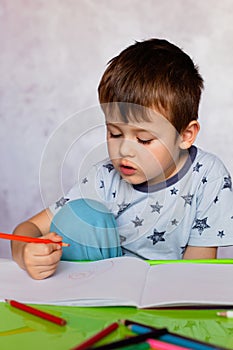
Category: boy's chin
<point>133,181</point>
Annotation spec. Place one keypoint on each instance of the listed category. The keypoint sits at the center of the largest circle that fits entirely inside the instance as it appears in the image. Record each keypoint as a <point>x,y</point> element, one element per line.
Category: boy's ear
<point>189,134</point>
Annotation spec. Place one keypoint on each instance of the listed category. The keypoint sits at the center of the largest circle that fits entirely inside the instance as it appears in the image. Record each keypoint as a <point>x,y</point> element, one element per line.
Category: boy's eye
<point>114,135</point>
<point>144,142</point>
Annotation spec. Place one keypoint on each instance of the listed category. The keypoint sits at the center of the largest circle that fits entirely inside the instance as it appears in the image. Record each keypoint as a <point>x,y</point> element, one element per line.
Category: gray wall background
<point>52,56</point>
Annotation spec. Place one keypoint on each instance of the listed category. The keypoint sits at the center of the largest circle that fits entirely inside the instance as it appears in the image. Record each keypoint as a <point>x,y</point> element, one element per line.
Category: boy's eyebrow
<point>138,129</point>
<point>110,123</point>
<point>113,125</point>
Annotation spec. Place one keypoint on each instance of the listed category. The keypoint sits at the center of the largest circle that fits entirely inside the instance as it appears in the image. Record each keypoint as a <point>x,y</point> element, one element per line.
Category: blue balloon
<point>89,228</point>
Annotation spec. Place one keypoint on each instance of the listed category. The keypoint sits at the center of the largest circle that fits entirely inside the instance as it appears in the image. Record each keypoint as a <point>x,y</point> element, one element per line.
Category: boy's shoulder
<point>207,157</point>
<point>208,162</point>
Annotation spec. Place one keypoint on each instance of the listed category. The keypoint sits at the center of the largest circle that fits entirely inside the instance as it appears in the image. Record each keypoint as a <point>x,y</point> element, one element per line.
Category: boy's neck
<point>186,159</point>
<point>178,165</point>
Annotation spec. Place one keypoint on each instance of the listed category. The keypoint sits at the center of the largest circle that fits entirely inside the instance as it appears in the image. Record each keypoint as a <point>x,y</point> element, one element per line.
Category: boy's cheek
<point>113,150</point>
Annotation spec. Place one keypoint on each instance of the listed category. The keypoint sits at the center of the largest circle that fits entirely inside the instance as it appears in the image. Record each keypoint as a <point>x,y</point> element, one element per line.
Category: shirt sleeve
<point>213,224</point>
<point>87,186</point>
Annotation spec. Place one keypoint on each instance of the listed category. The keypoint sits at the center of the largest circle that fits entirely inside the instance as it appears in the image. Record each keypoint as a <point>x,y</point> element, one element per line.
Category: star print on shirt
<point>216,199</point>
<point>220,234</point>
<point>157,237</point>
<point>137,222</point>
<point>174,191</point>
<point>156,207</point>
<point>227,182</point>
<point>204,180</point>
<point>197,167</point>
<point>174,222</point>
<point>201,225</point>
<point>122,207</point>
<point>85,180</point>
<point>101,184</point>
<point>187,199</point>
<point>62,201</point>
<point>109,166</point>
<point>114,194</point>
<point>122,239</point>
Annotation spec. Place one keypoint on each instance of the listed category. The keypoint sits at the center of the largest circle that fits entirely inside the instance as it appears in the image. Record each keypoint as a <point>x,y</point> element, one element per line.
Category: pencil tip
<point>121,322</point>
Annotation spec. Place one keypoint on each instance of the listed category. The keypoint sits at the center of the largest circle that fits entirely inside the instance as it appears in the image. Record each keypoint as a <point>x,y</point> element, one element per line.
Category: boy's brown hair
<point>153,73</point>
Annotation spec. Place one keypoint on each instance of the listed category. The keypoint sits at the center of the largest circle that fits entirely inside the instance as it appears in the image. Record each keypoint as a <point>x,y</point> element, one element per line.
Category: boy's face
<point>144,151</point>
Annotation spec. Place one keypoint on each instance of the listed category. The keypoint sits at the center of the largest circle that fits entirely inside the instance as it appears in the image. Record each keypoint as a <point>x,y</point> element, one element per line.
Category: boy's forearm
<point>200,253</point>
<point>25,229</point>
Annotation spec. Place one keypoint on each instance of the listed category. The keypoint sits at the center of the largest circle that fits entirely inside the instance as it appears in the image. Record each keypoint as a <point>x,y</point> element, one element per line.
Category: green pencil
<point>194,261</point>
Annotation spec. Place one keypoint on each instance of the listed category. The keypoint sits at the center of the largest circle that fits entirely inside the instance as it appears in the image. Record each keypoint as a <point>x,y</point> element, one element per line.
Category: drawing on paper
<point>88,271</point>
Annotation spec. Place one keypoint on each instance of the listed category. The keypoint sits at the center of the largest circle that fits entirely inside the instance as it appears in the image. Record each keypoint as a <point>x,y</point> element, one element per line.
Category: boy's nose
<point>127,148</point>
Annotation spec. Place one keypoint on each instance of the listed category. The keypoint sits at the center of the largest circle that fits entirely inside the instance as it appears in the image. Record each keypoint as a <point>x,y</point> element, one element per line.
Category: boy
<point>166,198</point>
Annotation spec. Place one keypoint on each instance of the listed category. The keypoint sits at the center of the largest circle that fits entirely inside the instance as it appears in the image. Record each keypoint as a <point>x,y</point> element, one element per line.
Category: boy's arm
<point>40,260</point>
<point>36,226</point>
<point>200,253</point>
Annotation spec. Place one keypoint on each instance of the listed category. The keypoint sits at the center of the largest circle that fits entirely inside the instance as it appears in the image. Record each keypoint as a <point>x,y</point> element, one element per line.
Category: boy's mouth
<point>127,170</point>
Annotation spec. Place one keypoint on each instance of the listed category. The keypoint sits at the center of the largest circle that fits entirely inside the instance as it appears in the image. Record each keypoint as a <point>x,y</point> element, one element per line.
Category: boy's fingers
<point>53,236</point>
<point>41,272</point>
<point>37,249</point>
<point>39,260</point>
<point>42,266</point>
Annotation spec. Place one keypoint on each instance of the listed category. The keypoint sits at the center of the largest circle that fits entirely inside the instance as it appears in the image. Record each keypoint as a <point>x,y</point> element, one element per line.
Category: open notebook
<point>121,281</point>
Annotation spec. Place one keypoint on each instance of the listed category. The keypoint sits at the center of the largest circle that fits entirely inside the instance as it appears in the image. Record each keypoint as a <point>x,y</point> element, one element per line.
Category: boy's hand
<point>41,260</point>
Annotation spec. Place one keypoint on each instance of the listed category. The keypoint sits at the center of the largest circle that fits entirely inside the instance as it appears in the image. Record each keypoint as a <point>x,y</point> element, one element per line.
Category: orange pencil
<point>30,239</point>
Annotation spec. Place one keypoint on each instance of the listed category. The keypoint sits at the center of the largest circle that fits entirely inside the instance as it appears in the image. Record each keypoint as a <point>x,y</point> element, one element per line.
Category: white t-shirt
<point>194,207</point>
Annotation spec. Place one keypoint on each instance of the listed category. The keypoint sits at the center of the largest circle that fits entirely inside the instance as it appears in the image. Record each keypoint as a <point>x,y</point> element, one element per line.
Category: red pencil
<point>91,341</point>
<point>33,311</point>
<point>30,239</point>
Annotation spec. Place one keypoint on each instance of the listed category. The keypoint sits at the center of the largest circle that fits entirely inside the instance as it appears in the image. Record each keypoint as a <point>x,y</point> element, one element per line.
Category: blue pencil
<point>172,337</point>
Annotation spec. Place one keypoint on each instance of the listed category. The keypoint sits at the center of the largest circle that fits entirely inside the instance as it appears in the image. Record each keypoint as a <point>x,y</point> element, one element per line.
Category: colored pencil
<point>228,314</point>
<point>95,338</point>
<point>161,345</point>
<point>30,239</point>
<point>140,346</point>
<point>173,338</point>
<point>33,311</point>
<point>130,341</point>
